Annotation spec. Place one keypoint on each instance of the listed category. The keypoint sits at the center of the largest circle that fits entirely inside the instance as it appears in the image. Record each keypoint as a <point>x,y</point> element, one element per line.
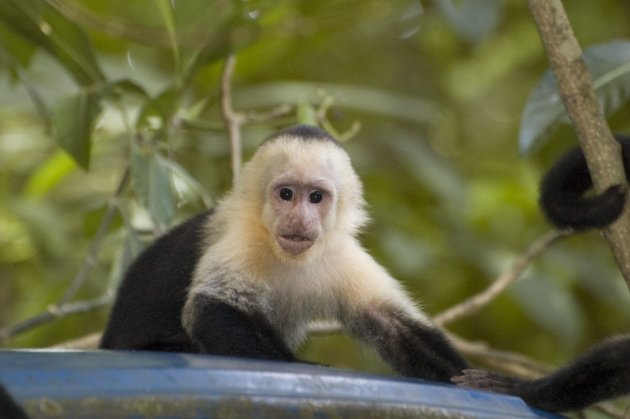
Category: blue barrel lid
<point>112,384</point>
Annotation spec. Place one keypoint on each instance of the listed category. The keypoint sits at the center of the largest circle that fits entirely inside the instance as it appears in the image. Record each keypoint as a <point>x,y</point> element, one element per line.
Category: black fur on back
<point>563,187</point>
<point>304,133</point>
<point>147,312</point>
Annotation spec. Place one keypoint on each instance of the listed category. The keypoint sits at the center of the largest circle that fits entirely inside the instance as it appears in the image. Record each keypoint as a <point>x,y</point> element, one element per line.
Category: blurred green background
<point>88,88</point>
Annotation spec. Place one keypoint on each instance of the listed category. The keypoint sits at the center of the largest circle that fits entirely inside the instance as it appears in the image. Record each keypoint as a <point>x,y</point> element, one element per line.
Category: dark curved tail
<point>563,187</point>
<point>600,374</point>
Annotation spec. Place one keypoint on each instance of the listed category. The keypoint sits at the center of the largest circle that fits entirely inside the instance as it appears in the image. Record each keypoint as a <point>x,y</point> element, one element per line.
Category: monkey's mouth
<point>295,243</point>
<point>295,238</point>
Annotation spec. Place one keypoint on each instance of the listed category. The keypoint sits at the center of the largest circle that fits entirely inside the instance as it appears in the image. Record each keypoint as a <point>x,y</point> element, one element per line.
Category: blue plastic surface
<point>107,384</point>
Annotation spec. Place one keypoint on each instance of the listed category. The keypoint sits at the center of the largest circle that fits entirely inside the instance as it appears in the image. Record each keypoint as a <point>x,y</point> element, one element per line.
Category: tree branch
<point>63,307</point>
<point>233,120</point>
<point>508,362</point>
<point>602,152</point>
<point>477,302</point>
<point>54,312</point>
<point>95,246</point>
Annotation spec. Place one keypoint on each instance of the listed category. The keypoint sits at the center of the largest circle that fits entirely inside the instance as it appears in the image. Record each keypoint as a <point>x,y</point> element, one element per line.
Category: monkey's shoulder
<point>173,255</point>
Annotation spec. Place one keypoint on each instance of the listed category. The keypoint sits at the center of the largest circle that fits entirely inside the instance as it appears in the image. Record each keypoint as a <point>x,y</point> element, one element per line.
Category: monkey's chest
<point>291,311</point>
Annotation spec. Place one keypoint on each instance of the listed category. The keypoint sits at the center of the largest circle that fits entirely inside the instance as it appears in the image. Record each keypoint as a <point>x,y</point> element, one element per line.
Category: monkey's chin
<point>294,244</point>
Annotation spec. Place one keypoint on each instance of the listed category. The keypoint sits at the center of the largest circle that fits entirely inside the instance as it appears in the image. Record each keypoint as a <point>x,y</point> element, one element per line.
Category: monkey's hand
<point>485,380</point>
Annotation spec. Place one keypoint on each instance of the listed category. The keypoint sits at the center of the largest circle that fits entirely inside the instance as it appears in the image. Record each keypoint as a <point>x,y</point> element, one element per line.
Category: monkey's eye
<point>286,194</point>
<point>315,197</point>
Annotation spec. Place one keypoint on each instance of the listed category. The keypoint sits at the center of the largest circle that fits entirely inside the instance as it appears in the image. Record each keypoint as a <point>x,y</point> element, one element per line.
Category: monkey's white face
<point>308,192</point>
<point>299,209</point>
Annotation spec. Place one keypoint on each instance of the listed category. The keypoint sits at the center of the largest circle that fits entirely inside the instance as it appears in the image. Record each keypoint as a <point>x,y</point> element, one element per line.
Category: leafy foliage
<point>73,120</point>
<point>426,96</point>
<point>153,184</point>
<point>609,65</point>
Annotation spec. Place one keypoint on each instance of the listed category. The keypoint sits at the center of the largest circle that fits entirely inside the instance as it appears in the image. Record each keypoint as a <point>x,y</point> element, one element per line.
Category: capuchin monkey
<point>603,372</point>
<point>277,254</point>
<point>280,252</point>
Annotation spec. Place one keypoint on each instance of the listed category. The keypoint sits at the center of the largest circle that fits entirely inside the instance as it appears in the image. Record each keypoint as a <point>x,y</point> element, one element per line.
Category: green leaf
<point>124,86</point>
<point>33,92</point>
<point>181,175</point>
<point>609,65</point>
<point>21,18</point>
<point>43,26</point>
<point>472,20</point>
<point>49,174</point>
<point>234,34</point>
<point>169,21</point>
<point>156,111</point>
<point>73,119</point>
<point>152,182</point>
<point>133,244</point>
<point>15,46</point>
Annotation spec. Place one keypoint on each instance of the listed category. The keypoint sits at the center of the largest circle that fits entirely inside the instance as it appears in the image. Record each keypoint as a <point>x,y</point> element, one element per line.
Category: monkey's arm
<point>411,347</point>
<point>377,311</point>
<point>220,328</point>
<point>562,192</point>
<point>600,374</point>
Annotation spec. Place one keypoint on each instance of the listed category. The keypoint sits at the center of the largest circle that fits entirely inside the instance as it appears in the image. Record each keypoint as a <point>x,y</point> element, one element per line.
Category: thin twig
<point>258,117</point>
<point>233,119</point>
<point>63,306</point>
<point>95,246</point>
<point>478,301</point>
<point>506,361</point>
<point>54,312</point>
